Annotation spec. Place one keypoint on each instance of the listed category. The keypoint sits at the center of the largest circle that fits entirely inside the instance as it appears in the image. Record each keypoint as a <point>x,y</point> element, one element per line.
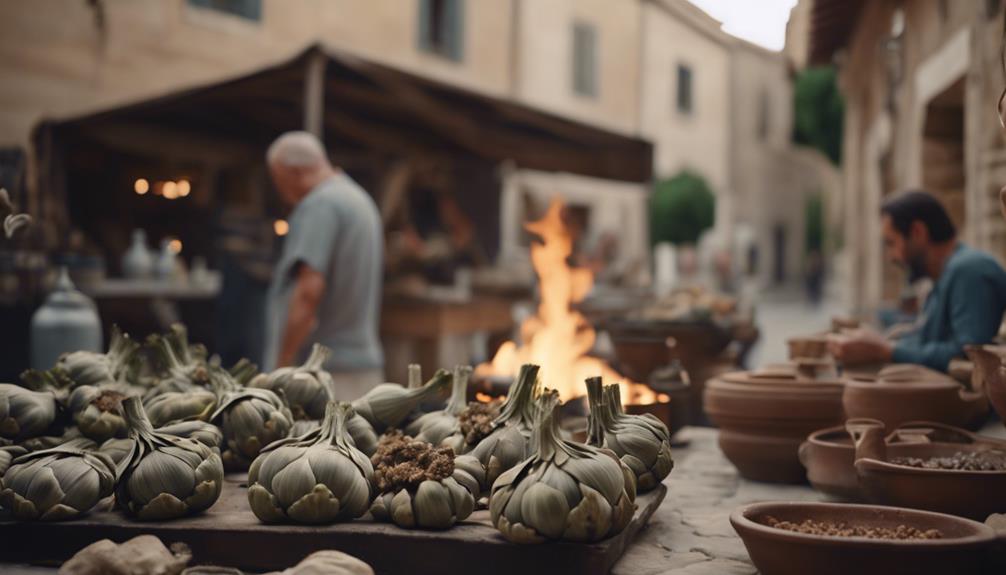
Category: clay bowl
<point>911,393</point>
<point>765,415</point>
<point>830,454</point>
<point>966,547</point>
<point>973,494</point>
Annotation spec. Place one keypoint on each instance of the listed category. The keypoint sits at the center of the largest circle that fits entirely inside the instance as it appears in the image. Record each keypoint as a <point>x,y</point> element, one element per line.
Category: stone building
<point>921,81</point>
<point>660,70</point>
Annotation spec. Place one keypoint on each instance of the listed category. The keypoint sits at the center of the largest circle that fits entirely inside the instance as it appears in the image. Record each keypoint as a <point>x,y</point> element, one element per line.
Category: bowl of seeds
<point>961,479</point>
<point>791,538</point>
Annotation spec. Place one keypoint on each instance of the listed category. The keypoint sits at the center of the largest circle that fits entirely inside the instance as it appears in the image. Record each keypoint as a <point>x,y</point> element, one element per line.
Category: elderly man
<point>326,287</point>
<point>967,300</point>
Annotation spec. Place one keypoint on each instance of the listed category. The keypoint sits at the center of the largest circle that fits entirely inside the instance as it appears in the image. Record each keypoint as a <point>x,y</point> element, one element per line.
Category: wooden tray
<point>230,535</point>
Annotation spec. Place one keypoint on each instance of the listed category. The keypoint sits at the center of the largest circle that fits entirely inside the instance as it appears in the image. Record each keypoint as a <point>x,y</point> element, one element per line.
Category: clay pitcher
<point>868,436</point>
<point>988,376</point>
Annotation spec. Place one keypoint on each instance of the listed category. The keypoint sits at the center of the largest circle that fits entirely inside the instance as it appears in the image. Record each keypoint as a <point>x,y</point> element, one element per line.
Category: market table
<point>689,534</point>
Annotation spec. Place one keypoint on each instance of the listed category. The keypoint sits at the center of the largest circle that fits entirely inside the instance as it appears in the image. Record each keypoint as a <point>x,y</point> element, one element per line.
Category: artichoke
<point>8,454</point>
<point>362,433</point>
<point>419,485</point>
<point>91,368</point>
<point>95,410</point>
<point>70,434</point>
<point>164,476</point>
<point>568,491</point>
<point>205,433</point>
<point>306,388</point>
<point>172,406</point>
<point>55,484</point>
<point>25,413</point>
<point>510,441</point>
<point>641,442</point>
<point>328,562</point>
<point>250,419</point>
<point>243,371</point>
<point>444,427</point>
<point>184,365</point>
<point>316,478</point>
<point>388,404</point>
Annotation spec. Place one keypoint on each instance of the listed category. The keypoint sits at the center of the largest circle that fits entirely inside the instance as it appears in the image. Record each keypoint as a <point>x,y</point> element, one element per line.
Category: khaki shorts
<point>354,384</point>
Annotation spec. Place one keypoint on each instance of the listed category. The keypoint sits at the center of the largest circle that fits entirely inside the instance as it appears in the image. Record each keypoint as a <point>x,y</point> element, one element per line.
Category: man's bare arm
<point>301,317</point>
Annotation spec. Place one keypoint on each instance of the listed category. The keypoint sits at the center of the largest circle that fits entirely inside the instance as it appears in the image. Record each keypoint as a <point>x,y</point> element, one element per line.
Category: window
<point>584,59</point>
<point>764,111</point>
<point>684,93</point>
<point>249,9</point>
<point>441,28</point>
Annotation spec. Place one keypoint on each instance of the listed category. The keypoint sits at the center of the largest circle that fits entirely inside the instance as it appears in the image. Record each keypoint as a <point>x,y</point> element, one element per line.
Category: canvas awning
<point>359,102</point>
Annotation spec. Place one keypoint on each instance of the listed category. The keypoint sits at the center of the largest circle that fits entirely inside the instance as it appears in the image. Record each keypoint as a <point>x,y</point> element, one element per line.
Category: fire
<point>559,338</point>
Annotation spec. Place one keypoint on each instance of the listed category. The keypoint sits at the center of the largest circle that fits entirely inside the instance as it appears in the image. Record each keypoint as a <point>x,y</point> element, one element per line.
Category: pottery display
<point>965,547</point>
<point>830,455</point>
<point>989,376</point>
<point>967,493</point>
<point>901,393</point>
<point>765,415</point>
<point>67,321</point>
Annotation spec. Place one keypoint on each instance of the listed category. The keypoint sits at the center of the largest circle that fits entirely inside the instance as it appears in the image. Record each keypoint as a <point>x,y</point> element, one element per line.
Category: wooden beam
<point>314,94</point>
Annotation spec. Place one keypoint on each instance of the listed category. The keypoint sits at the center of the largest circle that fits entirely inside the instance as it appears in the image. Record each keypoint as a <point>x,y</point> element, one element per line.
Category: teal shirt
<point>965,307</point>
<point>336,229</point>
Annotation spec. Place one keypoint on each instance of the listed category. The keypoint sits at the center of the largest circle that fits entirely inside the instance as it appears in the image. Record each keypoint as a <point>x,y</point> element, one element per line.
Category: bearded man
<point>967,300</point>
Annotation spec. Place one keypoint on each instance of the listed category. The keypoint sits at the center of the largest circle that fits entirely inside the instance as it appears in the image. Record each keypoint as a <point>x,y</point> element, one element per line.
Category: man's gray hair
<point>297,150</point>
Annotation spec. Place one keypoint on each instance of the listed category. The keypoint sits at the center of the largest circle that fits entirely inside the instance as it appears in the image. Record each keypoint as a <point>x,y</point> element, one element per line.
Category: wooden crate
<point>230,535</point>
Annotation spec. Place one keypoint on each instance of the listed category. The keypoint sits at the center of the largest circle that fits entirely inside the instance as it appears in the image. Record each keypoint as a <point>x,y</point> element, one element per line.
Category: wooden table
<point>437,332</point>
<point>229,534</point>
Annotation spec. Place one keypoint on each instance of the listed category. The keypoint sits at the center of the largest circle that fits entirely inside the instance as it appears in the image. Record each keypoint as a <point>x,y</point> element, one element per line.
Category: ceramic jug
<point>67,321</point>
<point>166,261</point>
<point>138,262</point>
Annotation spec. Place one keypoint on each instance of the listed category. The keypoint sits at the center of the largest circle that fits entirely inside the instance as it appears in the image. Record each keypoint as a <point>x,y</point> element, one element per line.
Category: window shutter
<point>455,27</point>
<point>424,32</point>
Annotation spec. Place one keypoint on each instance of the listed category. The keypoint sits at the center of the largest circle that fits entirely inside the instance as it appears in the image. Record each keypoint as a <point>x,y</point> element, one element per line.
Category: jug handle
<point>868,436</point>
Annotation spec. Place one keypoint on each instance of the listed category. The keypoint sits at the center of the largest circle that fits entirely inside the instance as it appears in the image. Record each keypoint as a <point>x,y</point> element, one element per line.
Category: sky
<point>762,22</point>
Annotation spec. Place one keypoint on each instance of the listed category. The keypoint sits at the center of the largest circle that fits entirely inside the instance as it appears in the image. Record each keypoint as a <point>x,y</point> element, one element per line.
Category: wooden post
<point>314,94</point>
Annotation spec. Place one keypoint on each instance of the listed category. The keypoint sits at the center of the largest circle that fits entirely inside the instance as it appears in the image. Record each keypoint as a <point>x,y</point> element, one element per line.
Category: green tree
<point>818,111</point>
<point>681,208</point>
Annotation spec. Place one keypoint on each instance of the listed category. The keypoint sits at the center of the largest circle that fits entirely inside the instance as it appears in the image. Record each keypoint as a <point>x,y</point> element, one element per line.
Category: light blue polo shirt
<point>336,229</point>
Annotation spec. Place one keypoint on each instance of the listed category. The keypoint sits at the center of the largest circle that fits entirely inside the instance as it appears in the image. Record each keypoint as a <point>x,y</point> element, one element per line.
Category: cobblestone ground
<point>690,534</point>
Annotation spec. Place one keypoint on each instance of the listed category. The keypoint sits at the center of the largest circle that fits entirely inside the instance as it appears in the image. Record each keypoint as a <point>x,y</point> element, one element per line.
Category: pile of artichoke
<point>156,425</point>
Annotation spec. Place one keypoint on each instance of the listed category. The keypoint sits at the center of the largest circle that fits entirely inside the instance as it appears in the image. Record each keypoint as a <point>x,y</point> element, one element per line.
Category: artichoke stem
<point>459,390</point>
<point>521,394</point>
<point>136,418</point>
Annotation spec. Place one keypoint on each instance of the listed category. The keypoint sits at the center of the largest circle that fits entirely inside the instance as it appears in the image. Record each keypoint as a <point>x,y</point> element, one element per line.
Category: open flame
<point>559,338</point>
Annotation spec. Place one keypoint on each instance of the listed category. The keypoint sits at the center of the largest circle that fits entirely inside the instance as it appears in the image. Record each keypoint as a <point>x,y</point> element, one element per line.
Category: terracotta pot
<point>912,393</point>
<point>764,416</point>
<point>966,547</point>
<point>989,375</point>
<point>973,494</point>
<point>811,346</point>
<point>830,455</point>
